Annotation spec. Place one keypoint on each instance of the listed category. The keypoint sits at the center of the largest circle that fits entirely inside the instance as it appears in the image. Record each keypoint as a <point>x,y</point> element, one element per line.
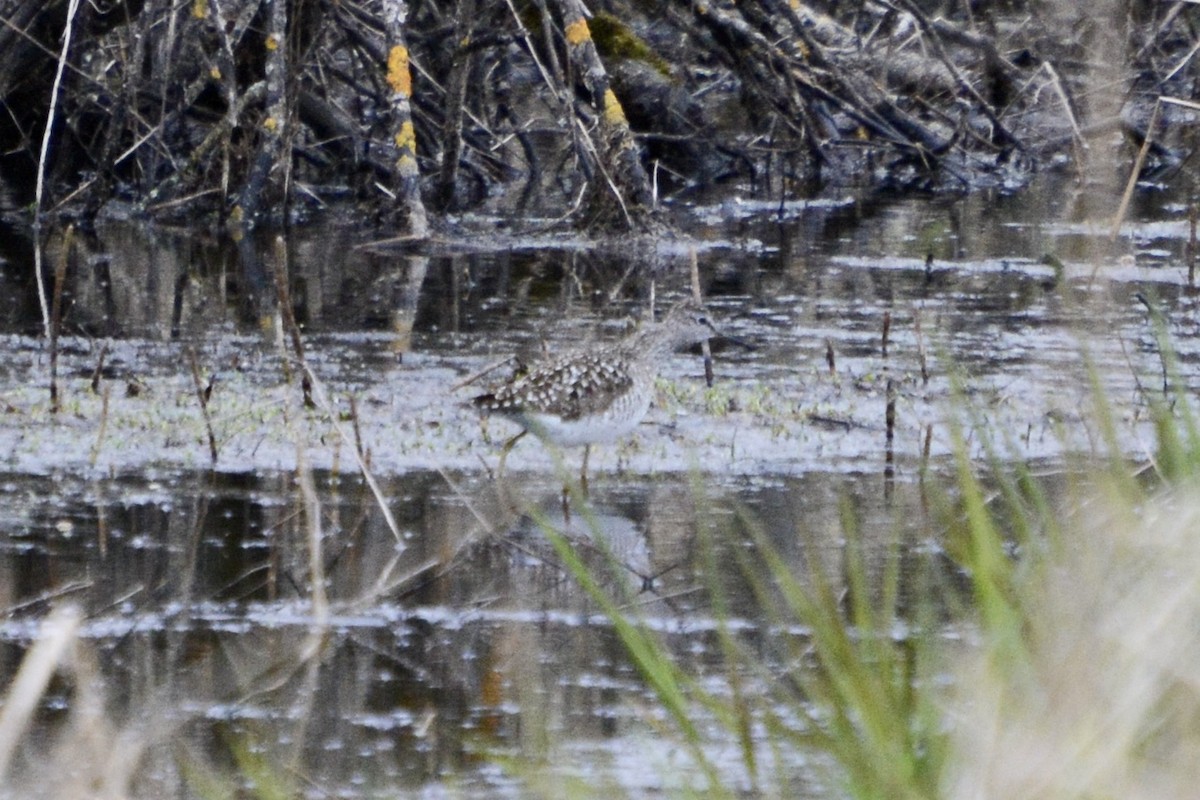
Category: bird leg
<point>501,489</point>
<point>583,486</point>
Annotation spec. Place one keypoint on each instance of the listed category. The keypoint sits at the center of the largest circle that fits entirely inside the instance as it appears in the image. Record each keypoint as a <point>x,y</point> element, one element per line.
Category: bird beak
<point>733,340</point>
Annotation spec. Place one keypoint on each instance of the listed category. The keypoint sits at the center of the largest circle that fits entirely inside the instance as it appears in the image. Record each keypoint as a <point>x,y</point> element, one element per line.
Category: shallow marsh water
<point>462,639</point>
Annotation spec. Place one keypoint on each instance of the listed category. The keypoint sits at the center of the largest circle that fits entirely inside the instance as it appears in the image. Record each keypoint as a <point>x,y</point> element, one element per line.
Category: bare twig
<point>1119,219</point>
<point>40,189</point>
<point>288,317</point>
<point>322,402</point>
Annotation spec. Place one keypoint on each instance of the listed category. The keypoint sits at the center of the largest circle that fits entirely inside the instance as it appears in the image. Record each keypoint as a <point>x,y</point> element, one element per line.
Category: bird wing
<point>570,387</point>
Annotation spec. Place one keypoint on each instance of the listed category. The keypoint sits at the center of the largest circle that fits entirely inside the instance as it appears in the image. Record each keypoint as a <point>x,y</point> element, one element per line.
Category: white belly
<point>609,426</point>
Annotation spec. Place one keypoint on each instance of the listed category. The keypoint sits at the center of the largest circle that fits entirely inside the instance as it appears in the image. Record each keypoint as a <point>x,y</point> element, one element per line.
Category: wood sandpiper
<point>595,395</point>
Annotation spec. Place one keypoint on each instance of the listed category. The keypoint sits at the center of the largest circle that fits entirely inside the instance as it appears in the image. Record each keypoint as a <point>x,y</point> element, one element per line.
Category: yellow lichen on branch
<point>398,75</point>
<point>200,9</point>
<point>577,32</point>
<point>406,138</point>
<point>406,143</point>
<point>613,113</point>
<point>614,39</point>
<point>272,43</point>
<point>237,218</point>
<point>406,165</point>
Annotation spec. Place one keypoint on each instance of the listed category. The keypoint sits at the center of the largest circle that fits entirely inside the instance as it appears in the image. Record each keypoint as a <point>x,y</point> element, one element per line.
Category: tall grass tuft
<point>1068,668</point>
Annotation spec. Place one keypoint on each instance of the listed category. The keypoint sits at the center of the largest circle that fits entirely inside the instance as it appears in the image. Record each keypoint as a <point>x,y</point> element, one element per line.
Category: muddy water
<point>455,637</point>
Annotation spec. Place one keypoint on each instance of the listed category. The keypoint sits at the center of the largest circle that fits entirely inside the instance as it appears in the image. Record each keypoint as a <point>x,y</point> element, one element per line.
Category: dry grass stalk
<point>37,668</point>
<point>1108,702</point>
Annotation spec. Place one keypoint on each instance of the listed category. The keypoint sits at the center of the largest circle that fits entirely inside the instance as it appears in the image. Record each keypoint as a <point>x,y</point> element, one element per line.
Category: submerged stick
<point>102,428</point>
<point>889,454</point>
<point>887,330</point>
<point>202,394</point>
<point>313,533</point>
<point>1191,245</point>
<point>889,414</point>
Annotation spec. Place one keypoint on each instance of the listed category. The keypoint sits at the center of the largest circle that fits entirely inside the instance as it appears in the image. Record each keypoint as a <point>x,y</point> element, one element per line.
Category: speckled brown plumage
<point>600,394</point>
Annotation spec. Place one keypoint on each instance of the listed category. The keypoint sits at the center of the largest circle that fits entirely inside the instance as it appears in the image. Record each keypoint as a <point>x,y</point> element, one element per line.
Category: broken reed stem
<point>102,427</point>
<point>830,357</point>
<point>358,442</point>
<point>98,372</point>
<point>926,448</point>
<point>699,298</point>
<point>288,317</point>
<point>60,278</point>
<point>1136,171</point>
<point>202,394</point>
